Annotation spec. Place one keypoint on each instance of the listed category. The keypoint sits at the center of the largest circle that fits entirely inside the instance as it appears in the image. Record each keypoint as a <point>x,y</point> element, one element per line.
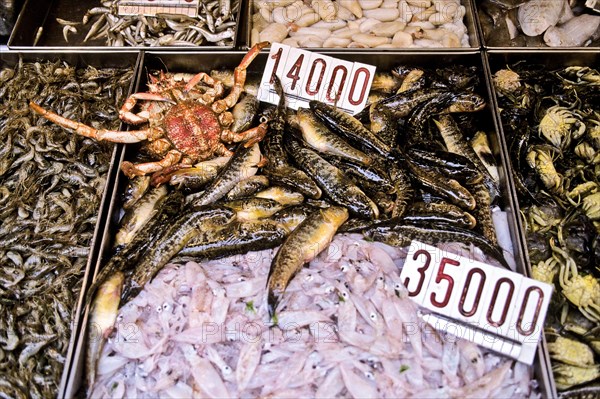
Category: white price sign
<point>153,7</point>
<point>498,309</point>
<point>307,76</point>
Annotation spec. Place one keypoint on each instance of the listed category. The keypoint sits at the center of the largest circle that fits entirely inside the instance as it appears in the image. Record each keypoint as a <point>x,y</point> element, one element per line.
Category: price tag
<point>307,76</point>
<point>153,7</point>
<point>493,307</point>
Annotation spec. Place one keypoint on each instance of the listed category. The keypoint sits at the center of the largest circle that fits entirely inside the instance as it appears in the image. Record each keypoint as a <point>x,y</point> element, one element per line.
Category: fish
<point>483,212</point>
<point>320,138</point>
<point>333,182</point>
<point>242,165</point>
<point>349,128</point>
<point>311,237</point>
<point>193,179</point>
<point>172,240</point>
<point>402,235</point>
<point>456,143</point>
<point>278,168</point>
<point>125,258</point>
<point>440,212</point>
<point>370,178</point>
<point>282,195</point>
<point>403,189</point>
<point>291,217</point>
<point>417,132</point>
<point>481,146</point>
<point>236,238</point>
<point>138,215</point>
<point>136,188</point>
<point>401,104</point>
<point>102,317</point>
<point>449,189</point>
<point>383,124</point>
<point>244,113</point>
<point>449,164</point>
<point>248,187</point>
<point>248,209</point>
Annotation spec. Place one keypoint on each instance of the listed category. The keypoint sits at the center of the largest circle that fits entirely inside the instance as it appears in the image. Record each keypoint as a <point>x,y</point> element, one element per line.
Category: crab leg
<point>130,170</point>
<point>115,136</point>
<point>250,136</point>
<point>135,119</point>
<point>239,79</point>
<point>217,86</point>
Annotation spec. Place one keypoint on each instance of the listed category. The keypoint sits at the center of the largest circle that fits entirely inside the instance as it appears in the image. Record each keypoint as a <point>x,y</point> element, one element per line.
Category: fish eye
<point>373,316</point>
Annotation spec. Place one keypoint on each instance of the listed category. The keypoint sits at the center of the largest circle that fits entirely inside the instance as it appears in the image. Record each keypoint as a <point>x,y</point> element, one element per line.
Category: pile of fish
<point>215,25</point>
<point>536,23</point>
<point>347,329</point>
<point>317,172</point>
<point>51,185</point>
<point>360,23</point>
<point>551,119</point>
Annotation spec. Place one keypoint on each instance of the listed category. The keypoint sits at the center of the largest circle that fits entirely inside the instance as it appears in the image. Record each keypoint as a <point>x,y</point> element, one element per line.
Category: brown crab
<point>187,121</point>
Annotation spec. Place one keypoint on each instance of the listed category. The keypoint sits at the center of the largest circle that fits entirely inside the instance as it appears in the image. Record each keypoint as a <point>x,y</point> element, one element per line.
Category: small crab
<point>186,123</point>
<point>579,75</point>
<point>567,376</point>
<point>559,125</point>
<point>507,81</point>
<point>583,292</point>
<point>591,206</point>
<point>539,158</point>
<point>545,271</point>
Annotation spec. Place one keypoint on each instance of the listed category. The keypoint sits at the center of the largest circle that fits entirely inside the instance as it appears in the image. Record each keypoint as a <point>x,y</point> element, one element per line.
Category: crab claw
<point>239,79</point>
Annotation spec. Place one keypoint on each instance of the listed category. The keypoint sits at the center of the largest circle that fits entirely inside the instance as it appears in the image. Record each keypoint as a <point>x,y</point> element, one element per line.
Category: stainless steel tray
<point>76,59</point>
<point>469,20</point>
<point>196,62</point>
<point>497,59</point>
<point>42,14</point>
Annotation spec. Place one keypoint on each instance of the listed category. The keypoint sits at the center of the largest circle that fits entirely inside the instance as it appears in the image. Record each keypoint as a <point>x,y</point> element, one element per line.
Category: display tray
<point>195,62</point>
<point>469,21</point>
<point>544,61</point>
<point>37,27</point>
<point>80,61</point>
<point>497,37</point>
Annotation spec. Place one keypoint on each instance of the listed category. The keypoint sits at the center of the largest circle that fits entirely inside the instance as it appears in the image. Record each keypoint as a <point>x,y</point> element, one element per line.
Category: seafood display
<point>348,329</point>
<point>536,23</point>
<point>407,167</point>
<point>551,119</point>
<point>215,25</point>
<point>360,23</point>
<point>51,185</point>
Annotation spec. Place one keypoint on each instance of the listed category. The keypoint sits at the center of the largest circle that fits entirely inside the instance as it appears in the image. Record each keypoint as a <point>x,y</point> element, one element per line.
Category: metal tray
<point>496,60</point>
<point>196,62</point>
<point>76,59</point>
<point>469,20</point>
<point>483,34</point>
<point>42,14</point>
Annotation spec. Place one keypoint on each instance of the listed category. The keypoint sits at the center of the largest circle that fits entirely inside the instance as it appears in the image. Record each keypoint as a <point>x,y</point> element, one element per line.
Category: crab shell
<point>193,128</point>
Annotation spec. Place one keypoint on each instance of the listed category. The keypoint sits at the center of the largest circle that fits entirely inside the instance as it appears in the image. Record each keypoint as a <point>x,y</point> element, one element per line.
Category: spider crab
<point>187,121</point>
